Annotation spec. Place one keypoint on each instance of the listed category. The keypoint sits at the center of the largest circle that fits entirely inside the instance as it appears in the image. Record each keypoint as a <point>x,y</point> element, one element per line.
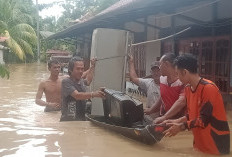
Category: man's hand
<point>174,129</point>
<point>54,105</point>
<point>93,62</point>
<point>147,111</point>
<point>159,120</point>
<point>130,59</point>
<point>99,94</point>
<point>165,122</point>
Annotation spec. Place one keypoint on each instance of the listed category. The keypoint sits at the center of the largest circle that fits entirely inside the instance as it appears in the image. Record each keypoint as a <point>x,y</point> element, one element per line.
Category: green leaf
<point>4,72</point>
<point>16,48</point>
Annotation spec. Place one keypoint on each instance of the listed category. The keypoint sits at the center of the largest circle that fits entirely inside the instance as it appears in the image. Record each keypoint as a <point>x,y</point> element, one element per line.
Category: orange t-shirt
<point>207,118</point>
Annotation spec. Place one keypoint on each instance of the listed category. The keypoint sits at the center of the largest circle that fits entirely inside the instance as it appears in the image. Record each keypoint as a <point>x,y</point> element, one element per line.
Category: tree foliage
<point>16,24</point>
<point>73,10</point>
<point>4,72</point>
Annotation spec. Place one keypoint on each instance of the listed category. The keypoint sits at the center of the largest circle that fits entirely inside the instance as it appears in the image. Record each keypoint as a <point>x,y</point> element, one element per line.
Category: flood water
<point>25,130</point>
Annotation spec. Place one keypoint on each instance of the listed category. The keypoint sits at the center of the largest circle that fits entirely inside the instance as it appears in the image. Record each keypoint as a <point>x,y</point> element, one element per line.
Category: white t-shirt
<point>152,90</point>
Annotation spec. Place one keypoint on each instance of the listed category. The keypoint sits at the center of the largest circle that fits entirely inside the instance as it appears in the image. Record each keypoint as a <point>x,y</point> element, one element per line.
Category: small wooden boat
<point>149,134</point>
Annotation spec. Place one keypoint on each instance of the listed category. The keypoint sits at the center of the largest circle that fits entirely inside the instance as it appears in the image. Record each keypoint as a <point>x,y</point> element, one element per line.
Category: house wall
<point>152,49</point>
<point>201,12</point>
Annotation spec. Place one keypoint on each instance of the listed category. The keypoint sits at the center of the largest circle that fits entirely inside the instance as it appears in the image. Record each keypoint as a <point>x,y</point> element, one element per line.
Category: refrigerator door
<point>110,47</point>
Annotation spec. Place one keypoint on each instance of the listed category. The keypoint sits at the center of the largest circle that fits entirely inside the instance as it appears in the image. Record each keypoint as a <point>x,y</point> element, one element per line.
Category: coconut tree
<point>15,25</point>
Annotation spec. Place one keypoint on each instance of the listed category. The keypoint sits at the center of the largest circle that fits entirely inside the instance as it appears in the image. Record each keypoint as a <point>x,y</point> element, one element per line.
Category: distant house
<point>209,37</point>
<point>61,55</point>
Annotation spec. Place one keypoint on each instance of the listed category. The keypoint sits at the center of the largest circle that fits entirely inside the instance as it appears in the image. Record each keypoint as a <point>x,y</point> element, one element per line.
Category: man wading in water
<point>74,93</point>
<point>206,115</point>
<point>51,87</point>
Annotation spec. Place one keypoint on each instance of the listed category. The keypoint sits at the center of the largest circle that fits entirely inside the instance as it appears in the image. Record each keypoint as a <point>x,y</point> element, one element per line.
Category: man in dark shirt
<point>74,92</point>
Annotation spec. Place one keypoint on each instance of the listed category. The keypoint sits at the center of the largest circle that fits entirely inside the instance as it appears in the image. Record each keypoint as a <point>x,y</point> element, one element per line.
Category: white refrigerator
<point>110,47</point>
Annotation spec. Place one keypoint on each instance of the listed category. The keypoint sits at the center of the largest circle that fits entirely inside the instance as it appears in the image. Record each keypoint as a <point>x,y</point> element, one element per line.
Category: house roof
<point>45,34</point>
<point>58,52</point>
<point>2,39</point>
<point>121,12</point>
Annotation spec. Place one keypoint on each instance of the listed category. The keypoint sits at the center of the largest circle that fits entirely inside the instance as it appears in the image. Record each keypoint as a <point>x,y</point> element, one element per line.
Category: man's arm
<point>201,121</point>
<point>88,74</point>
<point>133,76</point>
<point>175,126</point>
<point>84,75</point>
<point>39,95</point>
<point>176,107</point>
<point>87,95</point>
<point>154,108</point>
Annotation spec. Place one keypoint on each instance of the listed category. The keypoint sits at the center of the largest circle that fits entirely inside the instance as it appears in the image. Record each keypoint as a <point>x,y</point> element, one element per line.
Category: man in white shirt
<point>149,85</point>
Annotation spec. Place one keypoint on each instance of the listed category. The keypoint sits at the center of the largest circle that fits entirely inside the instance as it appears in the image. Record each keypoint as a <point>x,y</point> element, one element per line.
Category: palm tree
<point>14,24</point>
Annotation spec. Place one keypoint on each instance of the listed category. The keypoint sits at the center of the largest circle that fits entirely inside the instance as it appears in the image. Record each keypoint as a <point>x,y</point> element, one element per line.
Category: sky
<point>53,11</point>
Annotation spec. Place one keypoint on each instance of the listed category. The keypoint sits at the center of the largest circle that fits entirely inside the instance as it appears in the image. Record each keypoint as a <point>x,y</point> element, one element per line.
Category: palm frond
<point>25,32</point>
<point>30,38</point>
<point>25,46</point>
<point>3,27</point>
<point>23,27</point>
<point>16,48</point>
<point>4,72</point>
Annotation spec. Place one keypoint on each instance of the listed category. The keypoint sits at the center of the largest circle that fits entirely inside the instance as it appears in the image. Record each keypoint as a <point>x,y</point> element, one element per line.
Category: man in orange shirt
<point>206,115</point>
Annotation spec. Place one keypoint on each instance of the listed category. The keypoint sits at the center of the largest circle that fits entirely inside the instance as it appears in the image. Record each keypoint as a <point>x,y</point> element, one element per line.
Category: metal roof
<point>121,12</point>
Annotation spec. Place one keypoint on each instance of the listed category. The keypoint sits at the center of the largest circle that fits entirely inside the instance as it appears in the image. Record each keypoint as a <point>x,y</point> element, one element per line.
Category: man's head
<point>186,66</point>
<point>155,71</point>
<point>76,68</point>
<point>54,67</point>
<point>167,64</point>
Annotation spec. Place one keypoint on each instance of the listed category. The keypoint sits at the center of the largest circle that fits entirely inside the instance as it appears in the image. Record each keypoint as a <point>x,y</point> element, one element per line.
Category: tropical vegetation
<point>17,23</point>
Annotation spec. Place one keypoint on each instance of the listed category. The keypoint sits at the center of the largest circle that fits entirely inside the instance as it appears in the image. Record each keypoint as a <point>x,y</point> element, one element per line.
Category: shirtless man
<point>51,88</point>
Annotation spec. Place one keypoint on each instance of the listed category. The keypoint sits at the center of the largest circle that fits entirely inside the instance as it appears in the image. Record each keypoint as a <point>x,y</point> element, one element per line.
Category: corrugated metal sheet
<point>132,9</point>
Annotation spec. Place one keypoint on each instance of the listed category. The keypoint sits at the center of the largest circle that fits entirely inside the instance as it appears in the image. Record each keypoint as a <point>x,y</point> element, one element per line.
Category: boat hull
<point>149,134</point>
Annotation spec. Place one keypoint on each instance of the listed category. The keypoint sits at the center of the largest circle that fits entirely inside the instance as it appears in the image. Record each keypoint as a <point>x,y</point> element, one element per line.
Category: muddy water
<point>25,130</point>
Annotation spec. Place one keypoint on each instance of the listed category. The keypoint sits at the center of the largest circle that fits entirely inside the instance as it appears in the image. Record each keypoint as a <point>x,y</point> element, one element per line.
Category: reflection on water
<point>27,131</point>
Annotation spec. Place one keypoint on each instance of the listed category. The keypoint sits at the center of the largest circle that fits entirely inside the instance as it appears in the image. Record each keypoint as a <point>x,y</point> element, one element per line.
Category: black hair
<point>72,62</point>
<point>53,61</point>
<point>170,57</point>
<point>187,61</point>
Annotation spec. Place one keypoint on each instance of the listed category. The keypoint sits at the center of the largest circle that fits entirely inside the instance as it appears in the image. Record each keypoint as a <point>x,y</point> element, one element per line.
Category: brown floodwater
<point>25,130</point>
